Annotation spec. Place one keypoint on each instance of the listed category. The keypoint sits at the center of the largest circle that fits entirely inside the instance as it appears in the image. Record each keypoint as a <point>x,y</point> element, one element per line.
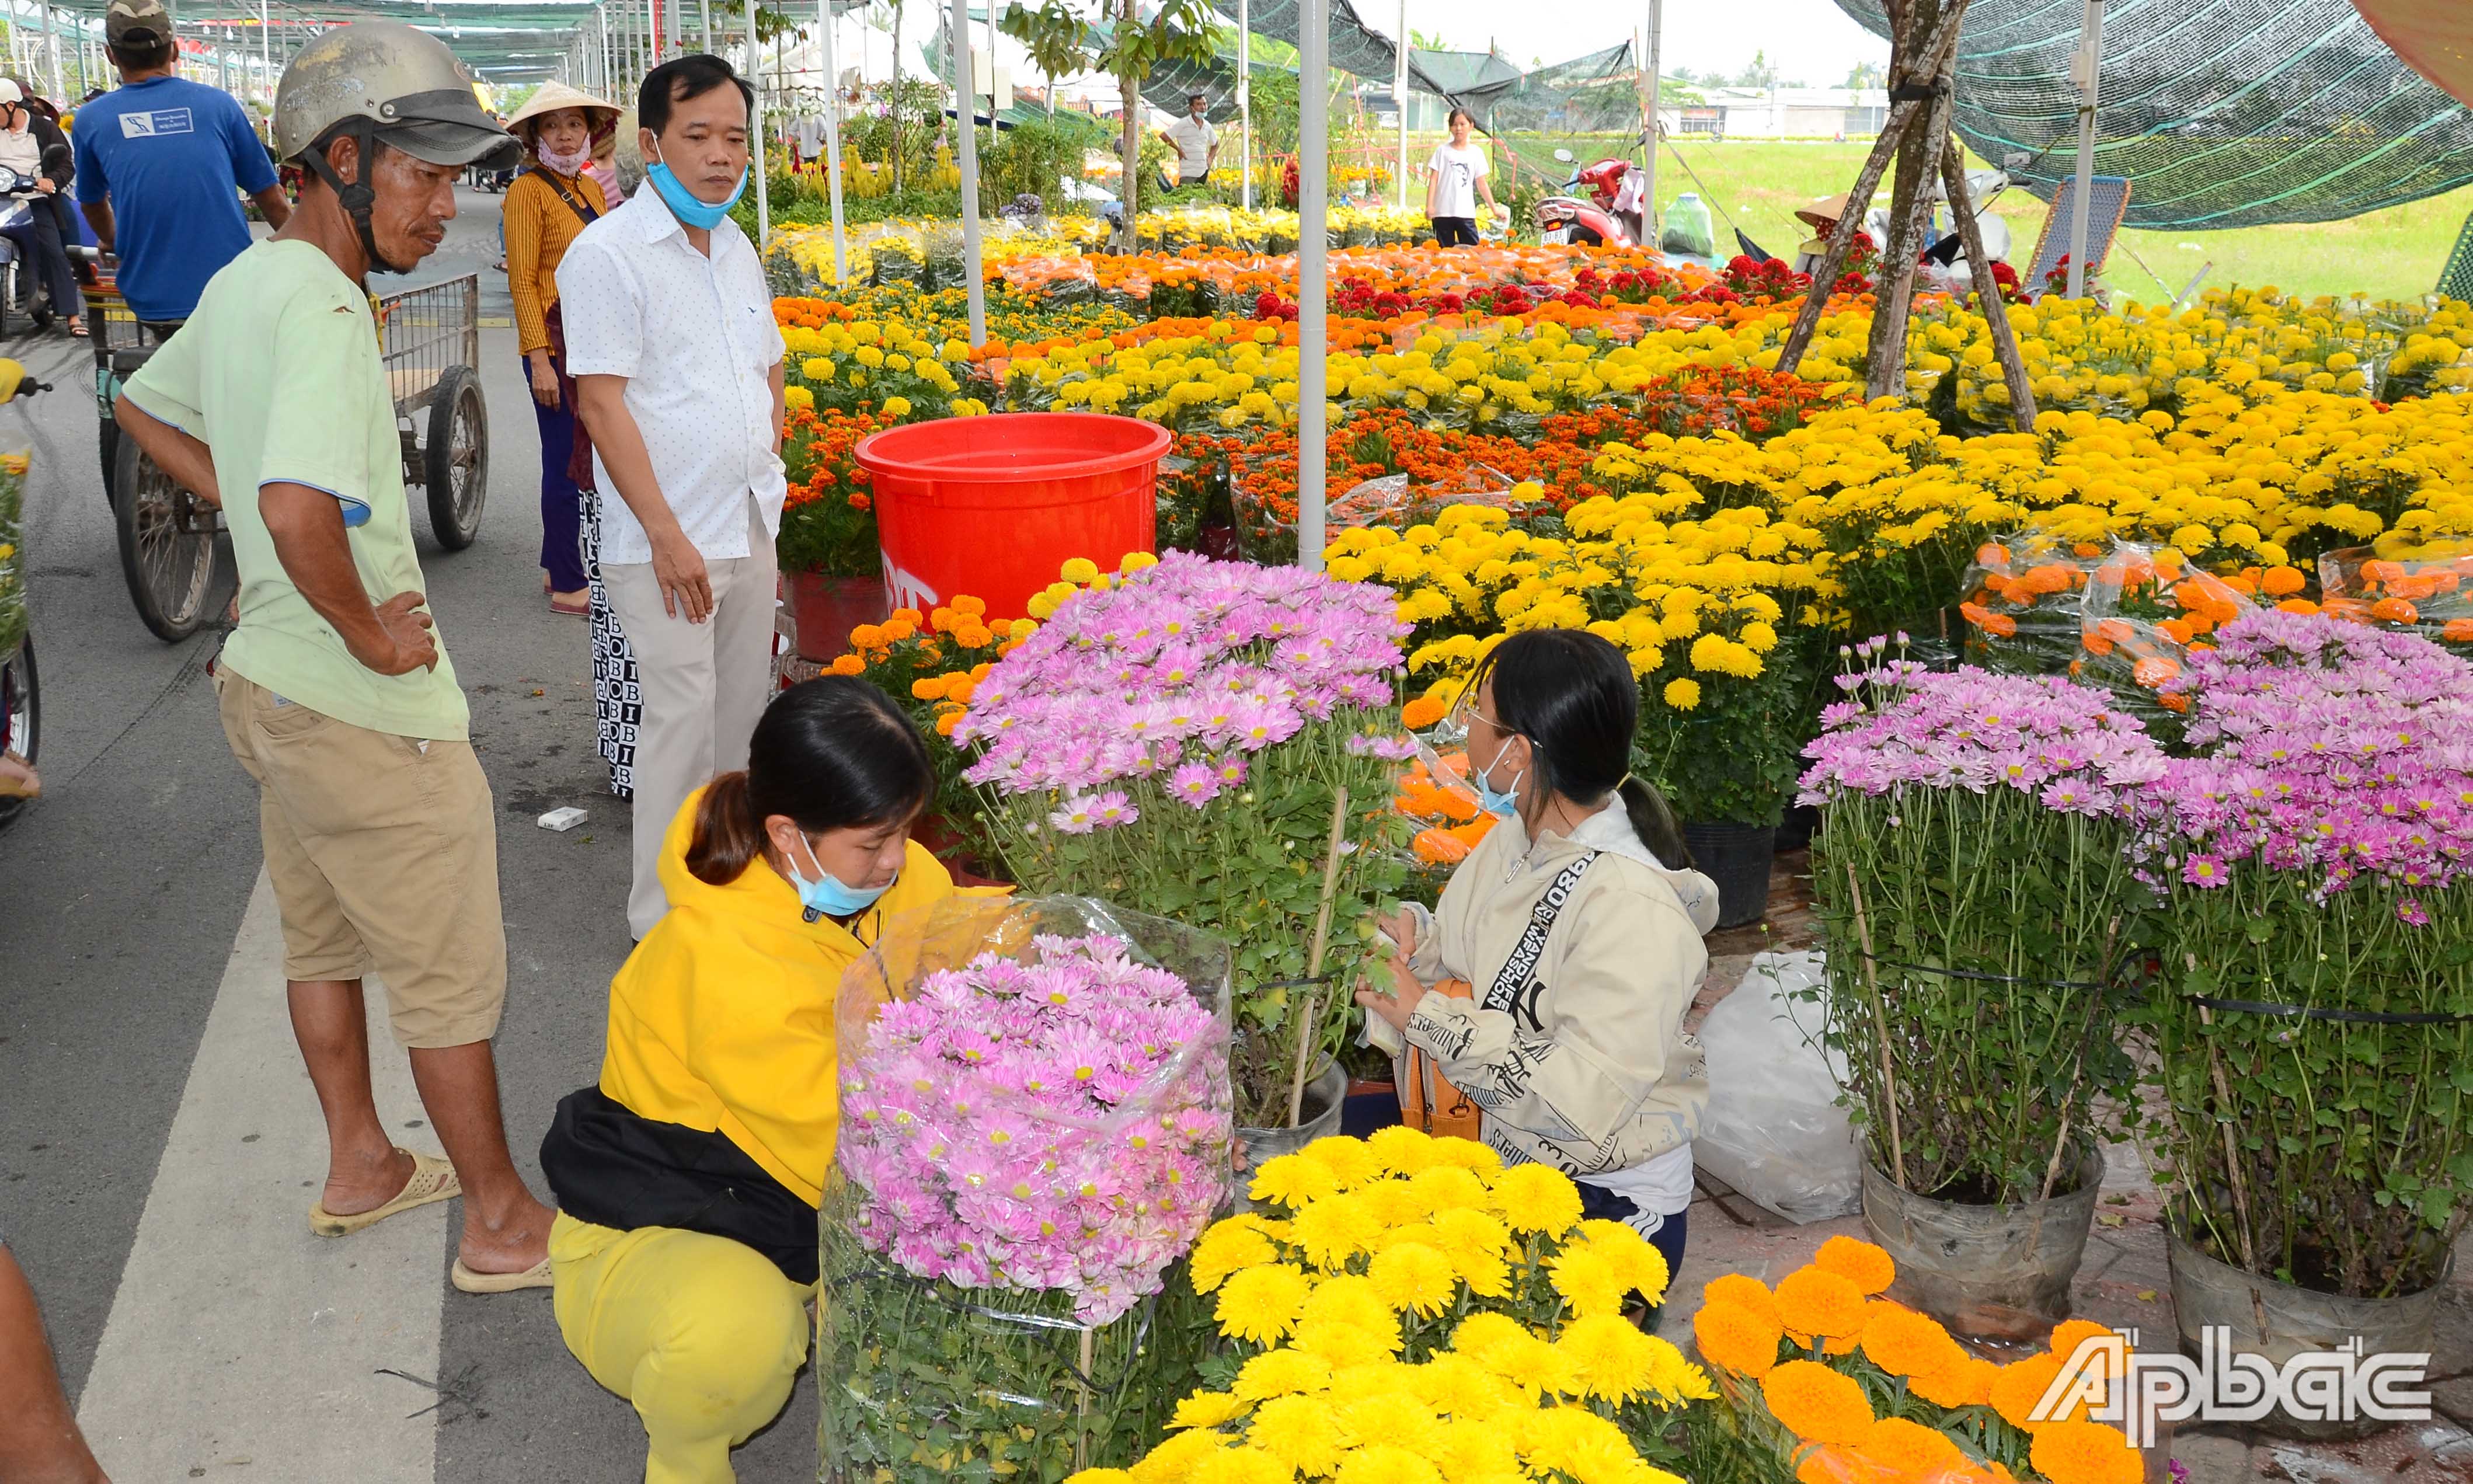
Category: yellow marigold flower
<point>1350,1162</point>
<point>1535,1198</point>
<point>1206,1409</point>
<point>849,664</point>
<point>1228,1249</point>
<point>897,407</point>
<point>1683,693</point>
<point>1244,1464</point>
<point>1293,1180</point>
<point>1259,1305</point>
<point>1081,571</point>
<point>1421,713</point>
<point>1414,1278</point>
<point>797,398</point>
<point>1384,1463</point>
<point>1281,1373</point>
<point>1816,1402</point>
<point>1867,1266</point>
<point>1401,1150</point>
<point>1815,1302</point>
<point>1334,1229</point>
<point>1611,1357</point>
<point>1176,1460</point>
<point>2084,1452</point>
<point>1301,1432</point>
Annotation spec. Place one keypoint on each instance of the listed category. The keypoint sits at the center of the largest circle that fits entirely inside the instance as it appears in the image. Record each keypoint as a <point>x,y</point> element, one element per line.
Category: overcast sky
<point>1810,40</point>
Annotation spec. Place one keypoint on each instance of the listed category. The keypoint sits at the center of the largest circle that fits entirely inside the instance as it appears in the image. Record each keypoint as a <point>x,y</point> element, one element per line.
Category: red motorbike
<point>1613,211</point>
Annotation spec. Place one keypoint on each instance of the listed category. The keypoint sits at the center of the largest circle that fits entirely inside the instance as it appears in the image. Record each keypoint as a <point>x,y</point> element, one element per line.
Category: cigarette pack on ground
<point>561,820</point>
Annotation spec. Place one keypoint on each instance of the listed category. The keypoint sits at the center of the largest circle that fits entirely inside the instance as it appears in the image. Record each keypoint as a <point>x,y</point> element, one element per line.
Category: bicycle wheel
<point>167,546</point>
<point>21,716</point>
<point>456,463</point>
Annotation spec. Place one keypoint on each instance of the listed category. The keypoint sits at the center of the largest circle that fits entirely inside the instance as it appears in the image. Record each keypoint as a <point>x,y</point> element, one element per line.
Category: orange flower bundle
<point>2432,597</point>
<point>1801,1364</point>
<point>1449,821</point>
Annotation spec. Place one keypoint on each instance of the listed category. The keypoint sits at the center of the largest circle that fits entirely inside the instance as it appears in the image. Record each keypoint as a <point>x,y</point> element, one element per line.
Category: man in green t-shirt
<point>337,696</point>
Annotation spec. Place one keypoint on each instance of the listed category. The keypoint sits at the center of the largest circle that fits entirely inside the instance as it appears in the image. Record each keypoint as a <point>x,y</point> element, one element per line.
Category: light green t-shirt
<point>277,373</point>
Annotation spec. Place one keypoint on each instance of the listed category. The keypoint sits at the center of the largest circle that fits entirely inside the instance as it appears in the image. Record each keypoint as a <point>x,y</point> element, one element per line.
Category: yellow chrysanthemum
<point>1334,1229</point>
<point>1259,1305</point>
<point>1301,1432</point>
<point>1292,1180</point>
<point>1611,1358</point>
<point>1281,1373</point>
<point>1401,1150</point>
<point>1176,1460</point>
<point>1206,1409</point>
<point>1350,1161</point>
<point>1229,1249</point>
<point>1536,1198</point>
<point>1383,1463</point>
<point>1587,1280</point>
<point>1414,1278</point>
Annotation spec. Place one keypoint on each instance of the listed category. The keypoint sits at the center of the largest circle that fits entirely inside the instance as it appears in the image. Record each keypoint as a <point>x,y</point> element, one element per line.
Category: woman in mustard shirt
<point>688,1177</point>
<point>547,207</point>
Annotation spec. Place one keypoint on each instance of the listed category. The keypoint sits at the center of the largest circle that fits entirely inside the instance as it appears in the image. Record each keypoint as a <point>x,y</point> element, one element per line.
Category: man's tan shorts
<point>384,855</point>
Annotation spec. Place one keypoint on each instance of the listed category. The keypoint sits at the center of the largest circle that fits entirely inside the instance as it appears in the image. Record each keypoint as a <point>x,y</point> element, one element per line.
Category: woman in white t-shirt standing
<point>1457,174</point>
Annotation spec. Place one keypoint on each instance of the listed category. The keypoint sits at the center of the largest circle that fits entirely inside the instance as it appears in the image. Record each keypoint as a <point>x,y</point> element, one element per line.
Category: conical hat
<point>550,97</point>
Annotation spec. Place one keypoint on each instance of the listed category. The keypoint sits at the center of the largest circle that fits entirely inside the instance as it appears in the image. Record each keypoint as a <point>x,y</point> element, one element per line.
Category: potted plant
<point>1214,743</point>
<point>1974,888</point>
<point>2314,1023</point>
<point>826,549</point>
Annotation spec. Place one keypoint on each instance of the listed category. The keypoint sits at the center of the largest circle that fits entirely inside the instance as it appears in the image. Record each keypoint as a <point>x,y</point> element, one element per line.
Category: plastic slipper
<point>582,610</point>
<point>433,1179</point>
<point>465,1279</point>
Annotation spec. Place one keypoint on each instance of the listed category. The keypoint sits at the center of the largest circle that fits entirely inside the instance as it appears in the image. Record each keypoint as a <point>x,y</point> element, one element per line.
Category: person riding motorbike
<point>28,143</point>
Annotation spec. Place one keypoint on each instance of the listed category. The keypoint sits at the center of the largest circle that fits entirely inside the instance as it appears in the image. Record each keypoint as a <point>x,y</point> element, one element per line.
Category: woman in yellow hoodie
<point>688,1179</point>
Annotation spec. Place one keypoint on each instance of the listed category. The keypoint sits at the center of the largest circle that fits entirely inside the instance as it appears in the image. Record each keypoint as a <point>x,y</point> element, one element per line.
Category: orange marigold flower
<point>1865,1265</point>
<point>2154,672</point>
<point>1439,848</point>
<point>2457,630</point>
<point>1421,713</point>
<point>1814,1300</point>
<point>1909,1448</point>
<point>1744,1291</point>
<point>2301,606</point>
<point>2082,1453</point>
<point>2020,1385</point>
<point>928,690</point>
<point>2394,610</point>
<point>1905,1343</point>
<point>976,607</point>
<point>2282,582</point>
<point>1737,1338</point>
<point>1818,1403</point>
<point>1827,1465</point>
<point>849,664</point>
<point>867,637</point>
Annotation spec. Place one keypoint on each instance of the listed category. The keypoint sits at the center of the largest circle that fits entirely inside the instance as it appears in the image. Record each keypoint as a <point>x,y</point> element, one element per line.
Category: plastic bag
<point>1393,500</point>
<point>1773,1129</point>
<point>2432,597</point>
<point>2144,610</point>
<point>1035,1126</point>
<point>2022,599</point>
<point>1688,227</point>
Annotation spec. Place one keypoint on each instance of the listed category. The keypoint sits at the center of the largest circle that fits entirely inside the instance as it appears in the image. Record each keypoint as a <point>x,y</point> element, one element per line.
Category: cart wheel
<point>21,715</point>
<point>108,441</point>
<point>456,464</point>
<point>170,570</point>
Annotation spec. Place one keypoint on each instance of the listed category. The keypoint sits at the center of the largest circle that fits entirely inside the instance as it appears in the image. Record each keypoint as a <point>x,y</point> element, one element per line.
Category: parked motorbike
<point>1611,212</point>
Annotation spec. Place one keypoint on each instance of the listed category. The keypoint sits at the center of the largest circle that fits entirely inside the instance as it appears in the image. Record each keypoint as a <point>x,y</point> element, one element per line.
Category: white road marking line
<point>238,1341</point>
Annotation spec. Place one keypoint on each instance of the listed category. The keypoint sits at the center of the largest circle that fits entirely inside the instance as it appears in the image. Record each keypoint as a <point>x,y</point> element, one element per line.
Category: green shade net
<point>2222,113</point>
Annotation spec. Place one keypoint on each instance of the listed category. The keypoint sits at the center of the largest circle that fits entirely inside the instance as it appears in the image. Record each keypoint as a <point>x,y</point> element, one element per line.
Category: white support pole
<point>1244,103</point>
<point>1656,131</point>
<point>965,106</point>
<point>1400,100</point>
<point>832,140</point>
<point>52,45</point>
<point>2090,76</point>
<point>266,55</point>
<point>756,134</point>
<point>1313,271</point>
<point>703,11</point>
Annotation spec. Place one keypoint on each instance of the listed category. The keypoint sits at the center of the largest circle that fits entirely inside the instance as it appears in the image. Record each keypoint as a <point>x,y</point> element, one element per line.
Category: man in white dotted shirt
<point>678,371</point>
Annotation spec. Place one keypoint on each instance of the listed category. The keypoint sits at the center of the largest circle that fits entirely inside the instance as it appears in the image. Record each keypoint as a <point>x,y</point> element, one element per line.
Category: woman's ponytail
<point>727,834</point>
<point>1652,820</point>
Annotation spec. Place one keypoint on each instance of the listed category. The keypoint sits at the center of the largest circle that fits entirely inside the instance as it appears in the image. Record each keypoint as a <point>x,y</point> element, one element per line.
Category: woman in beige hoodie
<point>1578,924</point>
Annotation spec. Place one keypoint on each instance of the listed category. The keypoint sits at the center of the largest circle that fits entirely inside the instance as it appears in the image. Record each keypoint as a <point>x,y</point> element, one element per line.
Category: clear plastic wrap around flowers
<point>2431,596</point>
<point>2144,610</point>
<point>1035,1129</point>
<point>2022,600</point>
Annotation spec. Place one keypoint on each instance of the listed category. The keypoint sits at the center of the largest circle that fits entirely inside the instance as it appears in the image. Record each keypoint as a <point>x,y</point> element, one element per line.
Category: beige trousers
<point>703,686</point>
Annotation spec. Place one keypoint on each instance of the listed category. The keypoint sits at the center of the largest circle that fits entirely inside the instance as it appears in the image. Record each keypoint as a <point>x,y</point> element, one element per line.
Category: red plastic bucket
<point>993,505</point>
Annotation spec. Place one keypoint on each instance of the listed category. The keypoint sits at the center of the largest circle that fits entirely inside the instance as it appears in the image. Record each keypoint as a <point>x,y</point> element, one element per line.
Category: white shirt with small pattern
<point>695,338</point>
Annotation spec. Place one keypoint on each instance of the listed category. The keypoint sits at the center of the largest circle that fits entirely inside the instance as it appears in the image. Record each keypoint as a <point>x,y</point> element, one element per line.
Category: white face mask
<point>563,164</point>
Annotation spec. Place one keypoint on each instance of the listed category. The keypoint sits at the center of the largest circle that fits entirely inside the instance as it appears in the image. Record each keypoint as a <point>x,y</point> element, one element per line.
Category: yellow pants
<point>702,1334</point>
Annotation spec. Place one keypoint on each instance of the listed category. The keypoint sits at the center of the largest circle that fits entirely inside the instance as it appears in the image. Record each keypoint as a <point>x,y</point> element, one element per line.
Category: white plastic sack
<point>1773,1129</point>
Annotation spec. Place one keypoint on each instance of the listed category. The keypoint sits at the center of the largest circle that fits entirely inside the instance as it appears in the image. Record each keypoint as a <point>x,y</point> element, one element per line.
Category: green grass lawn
<point>2395,253</point>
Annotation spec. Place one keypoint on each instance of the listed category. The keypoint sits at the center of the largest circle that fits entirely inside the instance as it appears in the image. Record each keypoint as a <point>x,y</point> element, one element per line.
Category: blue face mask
<point>703,215</point>
<point>1502,803</point>
<point>826,896</point>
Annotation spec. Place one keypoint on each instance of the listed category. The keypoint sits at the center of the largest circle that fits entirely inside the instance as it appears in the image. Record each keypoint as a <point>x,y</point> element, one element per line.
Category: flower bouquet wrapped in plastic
<point>1035,1128</point>
<point>2145,608</point>
<point>1843,1386</point>
<point>2022,601</point>
<point>2430,596</point>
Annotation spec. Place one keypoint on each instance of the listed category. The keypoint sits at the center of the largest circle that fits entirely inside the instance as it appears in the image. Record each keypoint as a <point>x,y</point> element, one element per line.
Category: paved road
<point>159,1144</point>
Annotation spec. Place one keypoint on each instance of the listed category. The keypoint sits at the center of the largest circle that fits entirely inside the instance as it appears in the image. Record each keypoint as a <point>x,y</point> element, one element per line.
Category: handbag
<point>1428,1103</point>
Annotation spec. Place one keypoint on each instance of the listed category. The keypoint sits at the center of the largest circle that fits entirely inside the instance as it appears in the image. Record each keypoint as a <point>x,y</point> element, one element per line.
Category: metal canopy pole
<point>1400,100</point>
<point>52,45</point>
<point>2089,68</point>
<point>704,9</point>
<point>1313,271</point>
<point>755,132</point>
<point>966,125</point>
<point>833,139</point>
<point>1656,130</point>
<point>1244,102</point>
<point>266,55</point>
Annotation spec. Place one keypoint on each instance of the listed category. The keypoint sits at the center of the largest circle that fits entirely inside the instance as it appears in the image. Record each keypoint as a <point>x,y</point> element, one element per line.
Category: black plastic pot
<point>1737,857</point>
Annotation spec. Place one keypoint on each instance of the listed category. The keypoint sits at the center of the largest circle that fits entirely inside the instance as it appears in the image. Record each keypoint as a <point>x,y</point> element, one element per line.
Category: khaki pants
<point>703,686</point>
<point>703,1335</point>
<point>383,852</point>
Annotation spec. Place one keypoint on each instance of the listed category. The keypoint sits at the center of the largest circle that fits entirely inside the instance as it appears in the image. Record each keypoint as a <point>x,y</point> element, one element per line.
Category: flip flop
<point>576,609</point>
<point>433,1179</point>
<point>468,1281</point>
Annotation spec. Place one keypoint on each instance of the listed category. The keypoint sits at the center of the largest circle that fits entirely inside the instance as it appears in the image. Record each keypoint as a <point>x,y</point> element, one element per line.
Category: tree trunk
<point>1132,97</point>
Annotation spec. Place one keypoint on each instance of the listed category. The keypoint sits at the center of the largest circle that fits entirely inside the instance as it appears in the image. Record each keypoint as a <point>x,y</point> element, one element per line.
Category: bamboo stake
<point>1082,1384</point>
<point>1910,212</point>
<point>1314,957</point>
<point>1880,1027</point>
<point>1987,289</point>
<point>2053,1167</point>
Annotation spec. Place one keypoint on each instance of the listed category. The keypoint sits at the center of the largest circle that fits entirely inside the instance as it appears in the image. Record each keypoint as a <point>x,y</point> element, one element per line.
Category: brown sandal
<point>433,1179</point>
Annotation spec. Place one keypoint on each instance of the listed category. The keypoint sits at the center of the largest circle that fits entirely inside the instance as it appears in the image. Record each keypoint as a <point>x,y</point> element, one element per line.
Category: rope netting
<point>2222,113</point>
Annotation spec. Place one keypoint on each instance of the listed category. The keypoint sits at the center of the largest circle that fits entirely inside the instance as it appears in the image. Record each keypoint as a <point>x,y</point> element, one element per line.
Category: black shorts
<point>1455,231</point>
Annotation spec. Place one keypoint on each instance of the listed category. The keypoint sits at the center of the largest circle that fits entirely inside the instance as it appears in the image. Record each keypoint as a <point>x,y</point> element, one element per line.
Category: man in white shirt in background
<point>1195,142</point>
<point>678,368</point>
